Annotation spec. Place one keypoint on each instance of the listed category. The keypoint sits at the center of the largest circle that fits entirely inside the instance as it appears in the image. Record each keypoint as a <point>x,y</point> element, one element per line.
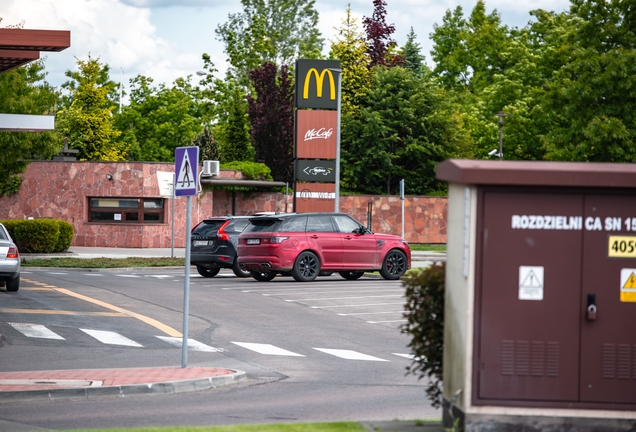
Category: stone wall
<point>61,190</point>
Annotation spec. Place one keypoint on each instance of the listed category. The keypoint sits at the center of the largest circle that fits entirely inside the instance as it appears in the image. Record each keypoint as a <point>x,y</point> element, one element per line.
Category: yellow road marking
<point>59,312</point>
<point>150,321</point>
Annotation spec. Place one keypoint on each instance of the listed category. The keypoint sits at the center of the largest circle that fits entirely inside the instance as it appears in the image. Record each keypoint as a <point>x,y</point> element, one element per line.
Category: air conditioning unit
<point>210,168</point>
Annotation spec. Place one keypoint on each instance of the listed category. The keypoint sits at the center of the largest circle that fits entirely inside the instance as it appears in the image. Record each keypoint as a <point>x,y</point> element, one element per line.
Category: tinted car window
<point>2,235</point>
<point>320,224</point>
<point>345,224</point>
<point>263,225</point>
<point>208,228</point>
<point>237,225</point>
<point>294,224</point>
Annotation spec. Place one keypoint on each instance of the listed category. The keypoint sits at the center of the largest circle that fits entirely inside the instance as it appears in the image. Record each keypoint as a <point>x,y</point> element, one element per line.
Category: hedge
<point>424,312</point>
<point>40,235</point>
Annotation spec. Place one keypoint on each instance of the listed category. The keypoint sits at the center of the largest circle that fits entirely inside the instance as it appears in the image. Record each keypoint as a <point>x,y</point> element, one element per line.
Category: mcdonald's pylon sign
<point>316,84</point>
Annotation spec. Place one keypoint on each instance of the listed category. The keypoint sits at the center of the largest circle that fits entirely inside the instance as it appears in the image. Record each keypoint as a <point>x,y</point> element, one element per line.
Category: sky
<point>164,39</point>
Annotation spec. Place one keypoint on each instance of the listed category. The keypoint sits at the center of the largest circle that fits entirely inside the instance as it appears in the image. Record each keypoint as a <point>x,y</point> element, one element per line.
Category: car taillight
<point>277,239</point>
<point>221,235</point>
<point>13,253</point>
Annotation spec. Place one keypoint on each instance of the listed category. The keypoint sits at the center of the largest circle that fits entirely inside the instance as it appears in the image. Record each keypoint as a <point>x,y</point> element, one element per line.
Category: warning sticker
<point>628,285</point>
<point>530,283</point>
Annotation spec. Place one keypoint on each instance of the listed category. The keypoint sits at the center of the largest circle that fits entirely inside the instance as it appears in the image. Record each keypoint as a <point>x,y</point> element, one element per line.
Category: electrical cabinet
<point>557,315</point>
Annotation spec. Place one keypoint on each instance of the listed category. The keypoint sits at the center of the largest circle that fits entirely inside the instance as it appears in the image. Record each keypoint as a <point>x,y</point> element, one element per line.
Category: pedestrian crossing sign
<point>186,161</point>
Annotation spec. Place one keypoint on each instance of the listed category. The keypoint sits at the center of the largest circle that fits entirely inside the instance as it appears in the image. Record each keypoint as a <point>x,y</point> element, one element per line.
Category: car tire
<point>208,272</point>
<point>351,275</point>
<point>13,284</point>
<point>394,265</point>
<point>238,271</point>
<point>306,267</point>
<point>262,276</point>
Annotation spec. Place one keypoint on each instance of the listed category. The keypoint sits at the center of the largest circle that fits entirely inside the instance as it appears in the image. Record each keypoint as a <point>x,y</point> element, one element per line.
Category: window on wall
<point>126,210</point>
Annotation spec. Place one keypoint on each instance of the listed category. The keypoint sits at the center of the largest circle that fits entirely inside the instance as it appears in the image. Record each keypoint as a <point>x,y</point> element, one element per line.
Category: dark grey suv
<point>214,243</point>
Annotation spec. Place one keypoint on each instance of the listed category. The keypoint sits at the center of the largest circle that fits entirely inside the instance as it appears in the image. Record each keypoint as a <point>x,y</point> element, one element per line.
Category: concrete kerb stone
<point>85,393</point>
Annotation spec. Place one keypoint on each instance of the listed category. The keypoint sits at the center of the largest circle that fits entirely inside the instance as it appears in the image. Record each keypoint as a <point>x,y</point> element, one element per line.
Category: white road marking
<point>349,354</point>
<point>385,322</point>
<point>192,344</point>
<point>343,298</point>
<point>355,305</point>
<point>408,356</point>
<point>57,273</point>
<point>159,276</point>
<point>370,313</point>
<point>129,276</point>
<point>267,349</point>
<point>93,274</point>
<point>110,338</point>
<point>329,292</point>
<point>35,331</point>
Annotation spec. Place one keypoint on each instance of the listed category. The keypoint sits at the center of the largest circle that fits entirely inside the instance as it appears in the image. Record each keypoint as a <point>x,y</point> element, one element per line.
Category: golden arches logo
<point>319,79</point>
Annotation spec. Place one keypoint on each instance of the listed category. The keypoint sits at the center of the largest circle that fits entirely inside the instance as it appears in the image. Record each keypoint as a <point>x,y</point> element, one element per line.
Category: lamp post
<point>337,188</point>
<point>501,115</point>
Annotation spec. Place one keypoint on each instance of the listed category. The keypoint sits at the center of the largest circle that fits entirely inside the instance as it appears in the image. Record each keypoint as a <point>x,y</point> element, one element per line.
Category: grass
<point>428,247</point>
<point>102,262</point>
<point>286,427</point>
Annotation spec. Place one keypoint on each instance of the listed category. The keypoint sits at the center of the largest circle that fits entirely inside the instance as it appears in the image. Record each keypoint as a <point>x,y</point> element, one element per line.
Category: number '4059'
<point>623,246</point>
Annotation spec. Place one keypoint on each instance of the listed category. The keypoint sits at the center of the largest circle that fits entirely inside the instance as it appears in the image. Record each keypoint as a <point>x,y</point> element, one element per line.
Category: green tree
<point>272,119</point>
<point>592,97</point>
<point>233,133</point>
<point>350,48</point>
<point>278,31</point>
<point>208,147</point>
<point>403,129</point>
<point>160,118</point>
<point>413,57</point>
<point>87,121</point>
<point>24,91</point>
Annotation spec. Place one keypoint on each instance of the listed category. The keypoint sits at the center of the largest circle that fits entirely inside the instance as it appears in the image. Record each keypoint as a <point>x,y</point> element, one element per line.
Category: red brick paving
<point>110,377</point>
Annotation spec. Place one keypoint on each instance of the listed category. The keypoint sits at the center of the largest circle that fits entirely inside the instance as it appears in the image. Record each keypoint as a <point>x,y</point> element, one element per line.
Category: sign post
<point>186,161</point>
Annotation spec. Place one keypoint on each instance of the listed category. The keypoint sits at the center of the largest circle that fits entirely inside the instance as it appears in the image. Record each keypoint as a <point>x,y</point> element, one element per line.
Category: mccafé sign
<point>316,84</point>
<point>316,134</point>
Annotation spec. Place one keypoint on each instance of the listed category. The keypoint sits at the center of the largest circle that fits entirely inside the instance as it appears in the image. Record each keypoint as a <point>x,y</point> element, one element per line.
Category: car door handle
<point>348,238</point>
<point>314,236</point>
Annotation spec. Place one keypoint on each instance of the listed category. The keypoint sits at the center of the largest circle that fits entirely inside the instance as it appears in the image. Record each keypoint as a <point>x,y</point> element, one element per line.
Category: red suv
<point>307,244</point>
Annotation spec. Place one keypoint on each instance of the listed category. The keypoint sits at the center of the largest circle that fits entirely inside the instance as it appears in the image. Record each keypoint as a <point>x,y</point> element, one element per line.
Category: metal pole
<point>174,180</point>
<point>402,199</point>
<point>500,138</point>
<point>286,197</point>
<point>501,115</point>
<point>186,286</point>
<point>337,203</point>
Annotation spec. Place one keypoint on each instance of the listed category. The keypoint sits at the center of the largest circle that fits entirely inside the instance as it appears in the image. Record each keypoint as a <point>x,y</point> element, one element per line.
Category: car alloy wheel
<point>262,276</point>
<point>306,267</point>
<point>351,275</point>
<point>208,272</point>
<point>238,271</point>
<point>394,265</point>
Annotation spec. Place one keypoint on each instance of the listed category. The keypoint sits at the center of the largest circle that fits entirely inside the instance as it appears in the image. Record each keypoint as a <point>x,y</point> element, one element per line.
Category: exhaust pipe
<point>266,265</point>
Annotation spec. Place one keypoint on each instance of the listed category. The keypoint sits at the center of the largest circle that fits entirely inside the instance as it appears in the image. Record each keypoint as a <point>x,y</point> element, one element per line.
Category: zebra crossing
<point>39,331</point>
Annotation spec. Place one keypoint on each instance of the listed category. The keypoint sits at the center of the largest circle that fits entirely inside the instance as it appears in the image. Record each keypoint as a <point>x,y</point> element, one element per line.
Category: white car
<point>9,261</point>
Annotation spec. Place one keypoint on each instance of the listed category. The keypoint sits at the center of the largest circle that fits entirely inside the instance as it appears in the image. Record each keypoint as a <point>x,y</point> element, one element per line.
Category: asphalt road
<point>321,351</point>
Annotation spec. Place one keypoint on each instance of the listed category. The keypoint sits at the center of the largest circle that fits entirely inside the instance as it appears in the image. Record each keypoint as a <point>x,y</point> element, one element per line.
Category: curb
<point>86,393</point>
<point>104,270</point>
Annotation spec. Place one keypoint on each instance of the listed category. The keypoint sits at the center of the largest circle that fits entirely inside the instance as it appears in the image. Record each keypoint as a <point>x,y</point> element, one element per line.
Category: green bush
<point>251,170</point>
<point>424,311</point>
<point>64,240</point>
<point>40,235</point>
